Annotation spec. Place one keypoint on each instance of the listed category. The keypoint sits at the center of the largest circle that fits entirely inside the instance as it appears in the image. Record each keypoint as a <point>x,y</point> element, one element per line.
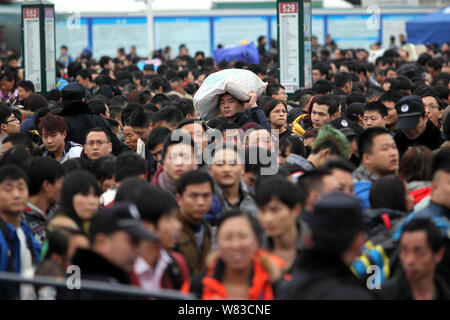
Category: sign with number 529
<point>288,7</point>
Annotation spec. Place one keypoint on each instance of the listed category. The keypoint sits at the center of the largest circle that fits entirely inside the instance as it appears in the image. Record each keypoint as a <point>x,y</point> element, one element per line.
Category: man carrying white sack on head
<point>231,95</point>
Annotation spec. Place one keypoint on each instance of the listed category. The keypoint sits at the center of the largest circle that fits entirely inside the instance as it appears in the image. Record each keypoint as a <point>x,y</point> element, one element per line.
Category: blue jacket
<point>362,192</point>
<point>16,249</point>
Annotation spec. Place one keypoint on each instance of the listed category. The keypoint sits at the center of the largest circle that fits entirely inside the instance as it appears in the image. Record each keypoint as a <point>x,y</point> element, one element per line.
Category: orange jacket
<point>267,269</point>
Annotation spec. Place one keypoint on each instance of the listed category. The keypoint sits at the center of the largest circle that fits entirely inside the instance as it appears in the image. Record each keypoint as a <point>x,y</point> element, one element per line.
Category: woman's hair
<point>271,104</point>
<point>254,223</point>
<point>416,164</point>
<point>295,144</point>
<point>388,192</point>
<point>78,181</point>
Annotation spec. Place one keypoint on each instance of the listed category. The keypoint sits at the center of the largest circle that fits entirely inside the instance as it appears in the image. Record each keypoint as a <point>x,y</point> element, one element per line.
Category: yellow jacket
<point>297,127</point>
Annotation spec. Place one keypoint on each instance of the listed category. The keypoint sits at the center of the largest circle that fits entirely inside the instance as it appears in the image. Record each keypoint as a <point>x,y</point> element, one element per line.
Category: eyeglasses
<point>94,142</point>
<point>12,120</point>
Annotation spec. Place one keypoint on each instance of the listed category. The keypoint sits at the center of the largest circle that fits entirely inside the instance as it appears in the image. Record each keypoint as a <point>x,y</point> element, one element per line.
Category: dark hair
<point>340,164</point>
<point>19,139</point>
<point>374,91</point>
<point>222,127</point>
<point>52,124</point>
<point>271,104</point>
<point>157,136</point>
<point>40,170</point>
<point>389,96</point>
<point>273,88</point>
<point>160,99</point>
<point>13,172</point>
<point>322,86</point>
<point>27,85</point>
<point>140,118</point>
<point>189,121</point>
<point>365,141</point>
<point>98,129</point>
<point>129,189</point>
<point>388,192</point>
<point>434,236</point>
<point>97,106</point>
<point>376,106</point>
<point>16,156</point>
<point>295,144</point>
<point>170,114</point>
<point>341,79</point>
<point>170,142</point>
<point>192,177</point>
<point>434,64</point>
<point>330,101</point>
<point>415,164</point>
<point>128,111</point>
<point>441,161</point>
<point>154,203</point>
<point>85,74</point>
<point>355,97</point>
<point>186,106</point>
<point>285,191</point>
<point>253,221</point>
<point>5,112</point>
<point>103,168</point>
<point>78,181</point>
<point>402,83</point>
<point>129,164</point>
<point>35,102</point>
<point>309,181</point>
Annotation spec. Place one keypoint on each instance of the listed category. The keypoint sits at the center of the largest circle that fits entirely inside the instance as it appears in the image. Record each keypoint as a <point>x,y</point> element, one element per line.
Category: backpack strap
<point>174,272</point>
<point>386,221</point>
<point>10,288</point>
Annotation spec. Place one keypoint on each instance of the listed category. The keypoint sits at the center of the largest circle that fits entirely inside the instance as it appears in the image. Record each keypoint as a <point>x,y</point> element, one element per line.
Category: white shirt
<point>149,278</point>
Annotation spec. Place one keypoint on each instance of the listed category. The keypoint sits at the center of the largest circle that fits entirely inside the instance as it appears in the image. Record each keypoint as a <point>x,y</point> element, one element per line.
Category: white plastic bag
<point>237,82</point>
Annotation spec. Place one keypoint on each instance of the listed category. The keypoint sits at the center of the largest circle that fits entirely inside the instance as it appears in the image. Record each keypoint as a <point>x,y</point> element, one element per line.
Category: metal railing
<point>97,286</point>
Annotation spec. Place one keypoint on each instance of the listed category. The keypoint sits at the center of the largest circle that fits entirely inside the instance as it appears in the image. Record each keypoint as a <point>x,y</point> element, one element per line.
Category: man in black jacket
<point>334,242</point>
<point>114,235</point>
<point>414,126</point>
<point>80,119</point>
<point>421,249</point>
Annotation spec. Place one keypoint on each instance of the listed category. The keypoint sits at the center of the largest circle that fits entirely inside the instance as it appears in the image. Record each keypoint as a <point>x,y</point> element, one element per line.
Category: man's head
<point>24,89</point>
<point>421,249</point>
<point>378,151</point>
<point>194,195</point>
<point>259,137</point>
<point>178,158</point>
<point>434,67</point>
<point>375,114</point>
<point>140,121</point>
<point>342,171</point>
<point>99,107</point>
<point>176,84</point>
<point>277,91</point>
<point>373,93</point>
<point>412,119</point>
<point>441,178</point>
<point>155,142</point>
<point>13,190</point>
<point>337,211</point>
<point>8,122</point>
<point>197,130</point>
<point>329,142</point>
<point>320,71</point>
<point>230,134</point>
<point>129,164</point>
<point>84,77</point>
<point>227,166</point>
<point>313,185</point>
<point>343,80</point>
<point>19,139</point>
<point>53,130</point>
<point>433,108</point>
<point>168,116</point>
<point>229,106</point>
<point>46,178</point>
<point>278,207</point>
<point>97,143</point>
<point>72,92</point>
<point>158,208</point>
<point>115,233</point>
<point>324,109</point>
<point>389,99</point>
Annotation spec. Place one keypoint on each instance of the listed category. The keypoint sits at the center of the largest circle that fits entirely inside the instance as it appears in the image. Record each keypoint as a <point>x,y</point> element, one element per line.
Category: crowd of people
<point>113,171</point>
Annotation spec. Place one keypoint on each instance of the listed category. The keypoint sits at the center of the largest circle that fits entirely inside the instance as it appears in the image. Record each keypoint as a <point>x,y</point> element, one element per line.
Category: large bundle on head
<point>237,82</point>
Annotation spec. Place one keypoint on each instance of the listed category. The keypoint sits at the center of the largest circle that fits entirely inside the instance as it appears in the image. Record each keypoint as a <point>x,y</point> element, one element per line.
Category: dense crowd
<point>339,191</point>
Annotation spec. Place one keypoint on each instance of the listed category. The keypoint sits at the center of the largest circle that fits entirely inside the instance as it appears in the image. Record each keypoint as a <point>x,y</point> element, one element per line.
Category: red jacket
<point>267,269</point>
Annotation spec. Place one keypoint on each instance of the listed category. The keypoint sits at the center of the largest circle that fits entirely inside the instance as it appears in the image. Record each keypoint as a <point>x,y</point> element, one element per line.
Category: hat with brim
<point>408,121</point>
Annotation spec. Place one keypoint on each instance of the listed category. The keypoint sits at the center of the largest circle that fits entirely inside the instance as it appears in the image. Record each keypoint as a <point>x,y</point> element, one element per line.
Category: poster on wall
<point>32,52</point>
<point>49,25</point>
<point>289,45</point>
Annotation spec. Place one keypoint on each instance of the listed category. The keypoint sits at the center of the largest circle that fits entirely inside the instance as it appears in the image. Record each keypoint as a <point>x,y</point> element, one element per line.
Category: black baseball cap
<point>73,91</point>
<point>409,110</point>
<point>123,216</point>
<point>335,212</point>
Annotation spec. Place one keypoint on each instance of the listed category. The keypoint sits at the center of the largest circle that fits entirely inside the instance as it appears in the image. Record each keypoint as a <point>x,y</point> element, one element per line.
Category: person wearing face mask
<point>239,269</point>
